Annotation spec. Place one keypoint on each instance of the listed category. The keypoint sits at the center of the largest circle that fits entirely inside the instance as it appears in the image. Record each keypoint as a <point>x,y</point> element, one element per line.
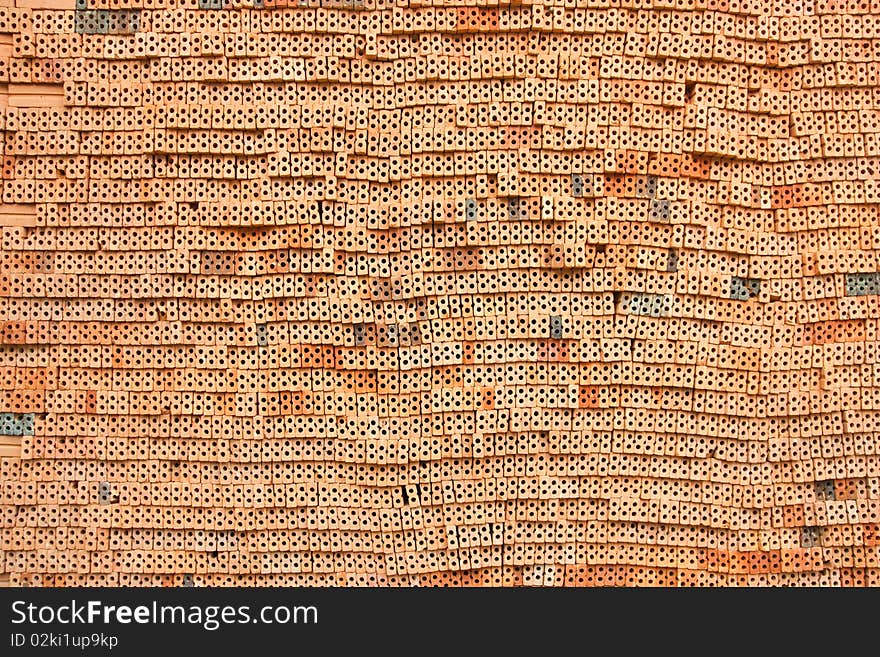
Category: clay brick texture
<point>392,293</point>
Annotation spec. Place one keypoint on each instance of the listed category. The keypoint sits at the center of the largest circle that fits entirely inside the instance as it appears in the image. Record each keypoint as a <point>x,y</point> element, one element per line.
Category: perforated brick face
<point>372,293</point>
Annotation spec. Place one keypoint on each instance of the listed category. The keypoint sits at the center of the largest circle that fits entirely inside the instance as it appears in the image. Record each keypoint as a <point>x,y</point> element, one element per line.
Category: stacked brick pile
<point>366,292</point>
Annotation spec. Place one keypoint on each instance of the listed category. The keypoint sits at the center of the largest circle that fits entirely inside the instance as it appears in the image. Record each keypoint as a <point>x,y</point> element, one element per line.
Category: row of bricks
<point>522,56</point>
<point>727,249</point>
<point>802,537</point>
<point>235,322</point>
<point>257,286</point>
<point>713,517</point>
<point>540,170</point>
<point>480,102</point>
<point>639,217</point>
<point>275,293</point>
<point>700,469</point>
<point>132,456</point>
<point>410,80</point>
<point>831,538</point>
<point>790,533</point>
<point>189,464</point>
<point>378,342</point>
<point>207,285</point>
<point>663,510</point>
<point>565,408</point>
<point>827,22</point>
<point>479,361</point>
<point>466,225</point>
<point>98,321</point>
<point>625,465</point>
<point>859,68</point>
<point>351,540</point>
<point>567,50</point>
<point>525,131</point>
<point>685,294</point>
<point>407,151</point>
<point>639,246</point>
<point>187,124</point>
<point>360,485</point>
<point>236,318</point>
<point>706,415</point>
<point>440,539</point>
<point>580,406</point>
<point>792,206</point>
<point>241,324</point>
<point>508,395</point>
<point>388,347</point>
<point>710,418</point>
<point>322,105</point>
<point>610,495</point>
<point>271,264</point>
<point>379,345</point>
<point>808,179</point>
<point>696,435</point>
<point>398,60</point>
<point>463,221</point>
<point>279,394</point>
<point>383,160</point>
<point>537,197</point>
<point>790,525</point>
<point>669,439</point>
<point>566,475</point>
<point>156,412</point>
<point>136,460</point>
<point>562,401</point>
<point>307,442</point>
<point>507,576</point>
<point>542,99</point>
<point>421,80</point>
<point>801,348</point>
<point>433,561</point>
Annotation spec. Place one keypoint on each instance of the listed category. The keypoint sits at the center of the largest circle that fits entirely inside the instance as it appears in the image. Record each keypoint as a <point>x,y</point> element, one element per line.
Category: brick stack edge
<point>375,293</point>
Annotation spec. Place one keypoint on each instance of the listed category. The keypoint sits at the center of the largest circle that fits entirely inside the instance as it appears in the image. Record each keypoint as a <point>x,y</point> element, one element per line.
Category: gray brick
<point>646,187</point>
<point>393,335</point>
<point>743,289</point>
<point>660,210</point>
<point>513,208</point>
<point>811,537</point>
<point>470,210</point>
<point>825,490</point>
<point>102,20</point>
<point>262,335</point>
<point>862,284</point>
<point>644,303</point>
<point>17,424</point>
<point>360,334</point>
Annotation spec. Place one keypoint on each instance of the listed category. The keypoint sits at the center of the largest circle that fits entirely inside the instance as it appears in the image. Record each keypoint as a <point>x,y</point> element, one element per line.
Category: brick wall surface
<point>368,293</point>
